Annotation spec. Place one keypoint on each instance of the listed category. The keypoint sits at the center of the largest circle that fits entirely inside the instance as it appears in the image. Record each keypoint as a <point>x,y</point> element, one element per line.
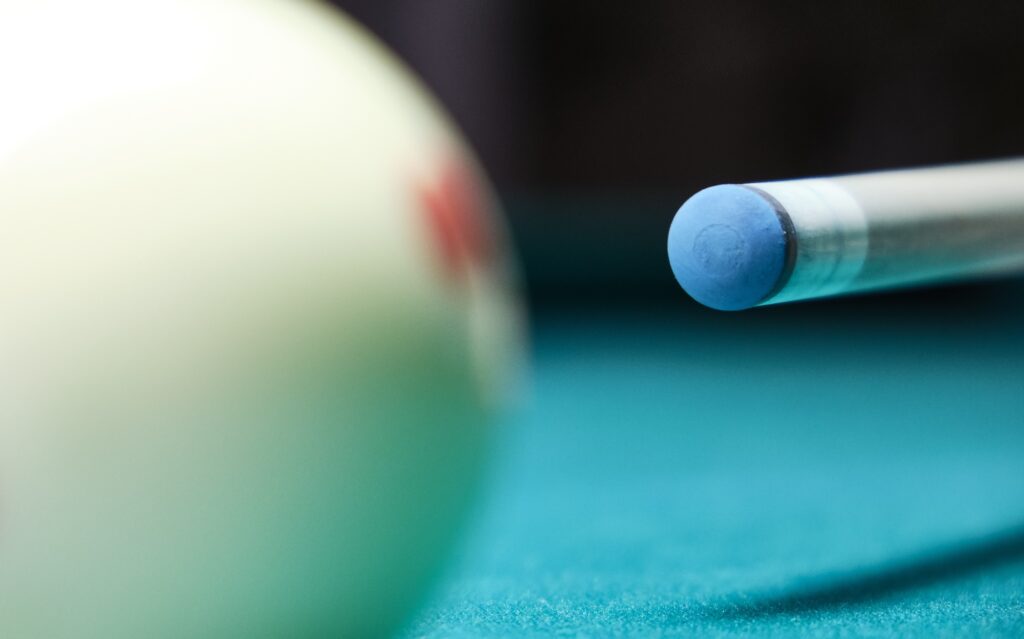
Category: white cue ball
<point>255,317</point>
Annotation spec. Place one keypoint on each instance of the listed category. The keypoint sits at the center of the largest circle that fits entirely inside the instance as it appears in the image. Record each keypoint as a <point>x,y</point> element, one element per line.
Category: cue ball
<point>257,314</point>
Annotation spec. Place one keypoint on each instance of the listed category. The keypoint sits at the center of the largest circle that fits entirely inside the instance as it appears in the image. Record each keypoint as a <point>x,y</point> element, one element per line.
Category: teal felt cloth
<point>843,469</point>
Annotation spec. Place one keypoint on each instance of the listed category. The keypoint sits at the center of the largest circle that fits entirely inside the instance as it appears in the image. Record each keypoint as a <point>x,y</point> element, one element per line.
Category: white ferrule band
<point>831,235</point>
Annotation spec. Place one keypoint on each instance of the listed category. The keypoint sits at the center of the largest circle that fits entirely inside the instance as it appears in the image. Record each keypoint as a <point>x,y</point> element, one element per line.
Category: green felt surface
<point>851,467</point>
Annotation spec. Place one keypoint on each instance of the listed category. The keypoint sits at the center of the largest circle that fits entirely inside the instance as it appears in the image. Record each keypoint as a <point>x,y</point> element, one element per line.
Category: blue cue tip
<point>728,247</point>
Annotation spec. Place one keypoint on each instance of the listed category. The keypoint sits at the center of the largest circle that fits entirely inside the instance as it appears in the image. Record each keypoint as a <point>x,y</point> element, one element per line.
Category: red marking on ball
<point>454,207</point>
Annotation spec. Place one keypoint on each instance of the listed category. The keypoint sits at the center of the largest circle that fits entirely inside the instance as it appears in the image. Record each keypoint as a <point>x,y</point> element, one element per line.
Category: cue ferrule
<point>829,234</point>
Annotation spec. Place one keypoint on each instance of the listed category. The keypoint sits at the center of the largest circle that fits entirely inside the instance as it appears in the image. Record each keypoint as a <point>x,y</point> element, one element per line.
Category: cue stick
<point>733,247</point>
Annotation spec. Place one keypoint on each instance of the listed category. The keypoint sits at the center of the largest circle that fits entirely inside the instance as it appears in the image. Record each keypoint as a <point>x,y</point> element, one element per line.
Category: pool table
<point>848,467</point>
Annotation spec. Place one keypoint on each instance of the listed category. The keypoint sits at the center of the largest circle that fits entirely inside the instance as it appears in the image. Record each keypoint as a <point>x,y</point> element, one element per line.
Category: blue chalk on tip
<point>729,248</point>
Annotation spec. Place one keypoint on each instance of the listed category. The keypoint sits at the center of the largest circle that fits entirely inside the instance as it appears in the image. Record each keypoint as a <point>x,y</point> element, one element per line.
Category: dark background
<point>597,119</point>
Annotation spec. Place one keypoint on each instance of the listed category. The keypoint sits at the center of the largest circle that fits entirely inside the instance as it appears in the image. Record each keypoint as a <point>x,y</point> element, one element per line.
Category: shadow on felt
<point>966,559</point>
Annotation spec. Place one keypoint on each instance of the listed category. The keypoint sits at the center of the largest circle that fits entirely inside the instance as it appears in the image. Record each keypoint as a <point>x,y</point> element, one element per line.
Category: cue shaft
<point>898,228</point>
<point>849,233</point>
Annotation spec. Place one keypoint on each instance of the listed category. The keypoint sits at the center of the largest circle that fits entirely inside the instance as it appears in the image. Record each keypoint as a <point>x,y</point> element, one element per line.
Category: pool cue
<point>733,247</point>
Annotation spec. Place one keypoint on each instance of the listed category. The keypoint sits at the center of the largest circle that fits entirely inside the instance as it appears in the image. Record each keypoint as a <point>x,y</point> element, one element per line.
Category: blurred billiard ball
<point>257,315</point>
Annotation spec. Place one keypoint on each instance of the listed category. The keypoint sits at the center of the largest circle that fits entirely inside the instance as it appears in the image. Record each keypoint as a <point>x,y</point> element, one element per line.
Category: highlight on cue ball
<point>259,314</point>
<point>733,247</point>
